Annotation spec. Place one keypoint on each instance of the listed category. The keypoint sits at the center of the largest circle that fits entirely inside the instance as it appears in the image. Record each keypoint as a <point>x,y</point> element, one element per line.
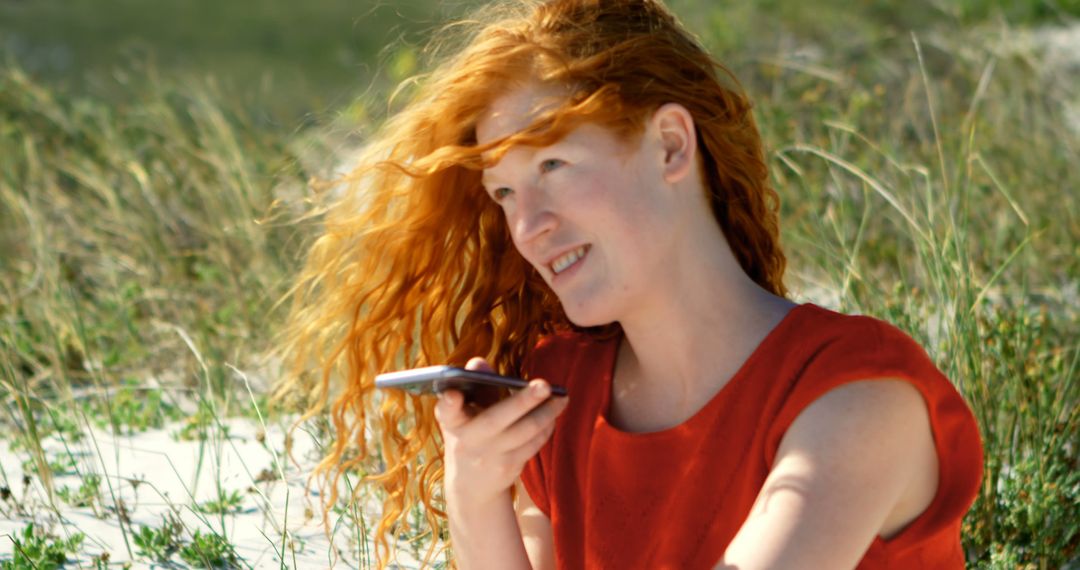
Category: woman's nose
<point>533,216</point>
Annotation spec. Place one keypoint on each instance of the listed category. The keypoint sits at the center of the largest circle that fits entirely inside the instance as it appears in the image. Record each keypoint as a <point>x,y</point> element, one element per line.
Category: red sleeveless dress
<point>675,498</point>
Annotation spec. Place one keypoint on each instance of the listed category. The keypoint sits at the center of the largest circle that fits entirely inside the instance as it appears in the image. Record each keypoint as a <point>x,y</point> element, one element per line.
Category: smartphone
<point>474,384</point>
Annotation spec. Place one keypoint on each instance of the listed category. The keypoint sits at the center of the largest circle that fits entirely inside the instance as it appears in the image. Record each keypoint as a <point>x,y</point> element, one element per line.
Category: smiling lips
<point>566,260</point>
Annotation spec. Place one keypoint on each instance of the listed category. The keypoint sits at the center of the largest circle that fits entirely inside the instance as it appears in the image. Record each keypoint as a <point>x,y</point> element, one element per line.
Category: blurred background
<point>156,158</point>
<point>294,59</point>
<point>289,58</point>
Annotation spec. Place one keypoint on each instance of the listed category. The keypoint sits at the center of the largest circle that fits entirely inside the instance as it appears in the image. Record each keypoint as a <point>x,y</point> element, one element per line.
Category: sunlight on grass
<point>927,179</point>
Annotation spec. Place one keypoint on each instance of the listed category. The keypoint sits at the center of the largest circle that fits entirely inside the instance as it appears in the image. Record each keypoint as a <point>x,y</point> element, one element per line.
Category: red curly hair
<point>416,265</point>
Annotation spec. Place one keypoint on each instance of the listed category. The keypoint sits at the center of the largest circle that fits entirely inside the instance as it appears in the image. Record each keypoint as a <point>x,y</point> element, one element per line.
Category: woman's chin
<point>586,319</point>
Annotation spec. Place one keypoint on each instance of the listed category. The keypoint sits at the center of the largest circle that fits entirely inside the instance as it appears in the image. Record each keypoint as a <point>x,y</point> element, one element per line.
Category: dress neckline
<point>688,425</point>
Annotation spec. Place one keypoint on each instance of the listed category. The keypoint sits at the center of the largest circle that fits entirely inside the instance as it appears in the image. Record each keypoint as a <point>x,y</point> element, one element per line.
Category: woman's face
<point>588,212</point>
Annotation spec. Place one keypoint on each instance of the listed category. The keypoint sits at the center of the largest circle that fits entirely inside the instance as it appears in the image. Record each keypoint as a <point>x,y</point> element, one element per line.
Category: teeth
<point>567,260</point>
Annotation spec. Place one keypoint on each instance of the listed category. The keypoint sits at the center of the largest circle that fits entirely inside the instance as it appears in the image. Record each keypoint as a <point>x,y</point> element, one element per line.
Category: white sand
<point>174,479</point>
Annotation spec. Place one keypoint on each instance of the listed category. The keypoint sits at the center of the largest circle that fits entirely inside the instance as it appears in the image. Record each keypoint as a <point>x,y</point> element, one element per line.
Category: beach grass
<point>148,228</point>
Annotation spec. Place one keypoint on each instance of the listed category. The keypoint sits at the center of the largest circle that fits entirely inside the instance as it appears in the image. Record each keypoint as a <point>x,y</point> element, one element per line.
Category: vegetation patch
<point>34,549</point>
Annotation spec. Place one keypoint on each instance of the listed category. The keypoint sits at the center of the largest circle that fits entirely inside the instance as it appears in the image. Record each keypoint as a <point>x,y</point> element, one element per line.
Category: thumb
<point>478,363</point>
<point>450,411</point>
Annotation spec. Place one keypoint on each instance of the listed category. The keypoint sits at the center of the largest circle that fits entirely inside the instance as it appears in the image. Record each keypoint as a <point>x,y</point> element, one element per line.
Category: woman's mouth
<point>568,260</point>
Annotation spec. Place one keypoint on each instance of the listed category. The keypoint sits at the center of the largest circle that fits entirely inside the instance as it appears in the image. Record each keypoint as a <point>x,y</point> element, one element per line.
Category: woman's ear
<point>675,126</point>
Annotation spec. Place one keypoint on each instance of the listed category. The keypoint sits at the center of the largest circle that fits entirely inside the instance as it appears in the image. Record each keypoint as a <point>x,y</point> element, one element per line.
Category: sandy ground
<point>153,474</point>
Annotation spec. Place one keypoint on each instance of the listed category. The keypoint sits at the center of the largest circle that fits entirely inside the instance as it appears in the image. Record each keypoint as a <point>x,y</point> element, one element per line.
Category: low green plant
<point>209,551</point>
<point>225,503</point>
<point>49,423</point>
<point>85,495</point>
<point>61,465</point>
<point>159,544</point>
<point>134,410</point>
<point>41,551</point>
<point>196,425</point>
<point>66,426</point>
<point>100,561</point>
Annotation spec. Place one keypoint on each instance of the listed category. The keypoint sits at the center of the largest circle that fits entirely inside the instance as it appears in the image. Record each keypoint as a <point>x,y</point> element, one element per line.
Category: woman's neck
<point>701,323</point>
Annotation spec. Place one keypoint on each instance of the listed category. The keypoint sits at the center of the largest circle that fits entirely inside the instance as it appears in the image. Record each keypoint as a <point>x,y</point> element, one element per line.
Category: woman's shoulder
<point>838,341</point>
<point>846,349</point>
<point>839,349</point>
<point>828,349</point>
<point>868,348</point>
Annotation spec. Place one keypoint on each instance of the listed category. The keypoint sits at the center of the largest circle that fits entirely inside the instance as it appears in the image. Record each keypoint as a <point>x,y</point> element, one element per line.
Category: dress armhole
<point>893,355</point>
<point>535,483</point>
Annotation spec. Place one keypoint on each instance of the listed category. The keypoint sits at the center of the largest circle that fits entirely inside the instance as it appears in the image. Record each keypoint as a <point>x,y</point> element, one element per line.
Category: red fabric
<point>675,498</point>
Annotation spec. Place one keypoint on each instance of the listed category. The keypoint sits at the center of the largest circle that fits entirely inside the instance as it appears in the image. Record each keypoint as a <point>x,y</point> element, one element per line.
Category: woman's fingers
<point>450,410</point>
<point>509,411</point>
<point>516,425</point>
<point>478,363</point>
<point>506,413</point>
<point>539,422</point>
<point>486,449</point>
<point>526,451</point>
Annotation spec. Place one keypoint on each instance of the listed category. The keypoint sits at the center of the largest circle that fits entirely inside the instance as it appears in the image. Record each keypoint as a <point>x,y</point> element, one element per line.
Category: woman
<point>579,196</point>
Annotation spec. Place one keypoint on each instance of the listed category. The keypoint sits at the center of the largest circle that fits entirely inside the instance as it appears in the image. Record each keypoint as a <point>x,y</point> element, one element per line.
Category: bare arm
<point>487,536</point>
<point>858,462</point>
<point>484,453</point>
<point>535,531</point>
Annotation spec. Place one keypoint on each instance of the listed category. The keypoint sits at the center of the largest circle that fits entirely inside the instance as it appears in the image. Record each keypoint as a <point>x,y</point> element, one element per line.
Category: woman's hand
<point>486,449</point>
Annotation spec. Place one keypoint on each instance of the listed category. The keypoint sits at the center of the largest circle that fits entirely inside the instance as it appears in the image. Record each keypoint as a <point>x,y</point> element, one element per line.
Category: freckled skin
<point>599,194</point>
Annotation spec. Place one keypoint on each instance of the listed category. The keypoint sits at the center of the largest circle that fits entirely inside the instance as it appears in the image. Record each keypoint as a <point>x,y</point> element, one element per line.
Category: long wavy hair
<point>416,266</point>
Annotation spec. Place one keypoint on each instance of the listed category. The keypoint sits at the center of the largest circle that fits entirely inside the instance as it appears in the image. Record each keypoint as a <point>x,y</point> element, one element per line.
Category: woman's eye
<point>550,164</point>
<point>500,193</point>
